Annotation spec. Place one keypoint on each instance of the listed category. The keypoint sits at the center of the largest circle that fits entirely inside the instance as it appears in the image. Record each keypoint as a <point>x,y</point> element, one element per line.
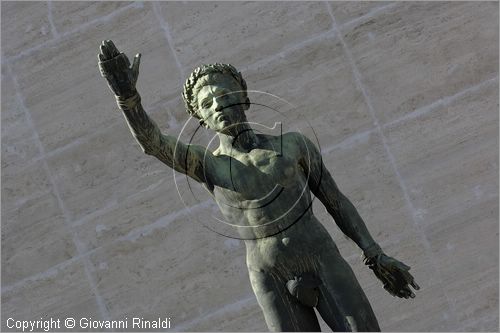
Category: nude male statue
<point>293,264</point>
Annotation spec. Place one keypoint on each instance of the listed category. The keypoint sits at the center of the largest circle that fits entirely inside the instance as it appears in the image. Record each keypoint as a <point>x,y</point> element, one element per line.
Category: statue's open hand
<point>116,68</point>
<point>393,274</point>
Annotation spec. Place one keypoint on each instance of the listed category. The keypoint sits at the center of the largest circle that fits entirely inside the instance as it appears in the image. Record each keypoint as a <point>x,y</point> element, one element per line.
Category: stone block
<point>70,16</point>
<point>351,11</point>
<point>448,157</point>
<point>143,212</point>
<point>484,324</point>
<point>24,183</point>
<point>191,272</point>
<point>465,246</point>
<point>475,300</point>
<point>459,256</point>
<point>63,89</point>
<point>35,238</point>
<point>34,234</point>
<point>449,160</point>
<point>110,167</point>
<point>416,53</point>
<point>24,25</point>
<point>240,33</point>
<point>243,315</point>
<point>19,147</point>
<point>61,293</point>
<point>324,102</point>
<point>428,312</point>
<point>364,174</point>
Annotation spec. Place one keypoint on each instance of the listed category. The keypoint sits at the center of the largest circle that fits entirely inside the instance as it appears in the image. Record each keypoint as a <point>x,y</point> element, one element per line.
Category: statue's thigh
<point>342,303</point>
<point>281,311</point>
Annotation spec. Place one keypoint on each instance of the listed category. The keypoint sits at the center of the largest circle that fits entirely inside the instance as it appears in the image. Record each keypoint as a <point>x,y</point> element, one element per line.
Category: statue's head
<point>216,94</point>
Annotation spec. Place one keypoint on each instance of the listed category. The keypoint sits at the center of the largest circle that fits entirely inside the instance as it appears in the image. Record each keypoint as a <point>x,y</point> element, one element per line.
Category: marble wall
<point>403,97</point>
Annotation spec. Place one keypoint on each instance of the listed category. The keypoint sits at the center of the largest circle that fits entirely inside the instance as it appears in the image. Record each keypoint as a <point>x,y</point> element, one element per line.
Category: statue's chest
<point>265,161</point>
<point>261,171</point>
<point>267,166</point>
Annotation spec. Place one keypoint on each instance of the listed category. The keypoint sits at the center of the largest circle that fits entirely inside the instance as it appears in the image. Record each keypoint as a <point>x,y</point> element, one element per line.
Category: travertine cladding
<point>403,97</point>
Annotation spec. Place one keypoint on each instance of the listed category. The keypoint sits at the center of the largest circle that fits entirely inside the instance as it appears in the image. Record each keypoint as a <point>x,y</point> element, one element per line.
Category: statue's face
<point>221,103</point>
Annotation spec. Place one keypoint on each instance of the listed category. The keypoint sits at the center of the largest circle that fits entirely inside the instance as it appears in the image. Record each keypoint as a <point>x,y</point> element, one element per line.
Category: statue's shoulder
<point>301,143</point>
<point>289,141</point>
<point>288,136</point>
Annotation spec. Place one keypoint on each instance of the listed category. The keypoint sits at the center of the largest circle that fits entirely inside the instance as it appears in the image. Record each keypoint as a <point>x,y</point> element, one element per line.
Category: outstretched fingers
<point>410,279</point>
<point>112,48</point>
<point>104,51</point>
<point>108,50</point>
<point>407,293</point>
<point>414,285</point>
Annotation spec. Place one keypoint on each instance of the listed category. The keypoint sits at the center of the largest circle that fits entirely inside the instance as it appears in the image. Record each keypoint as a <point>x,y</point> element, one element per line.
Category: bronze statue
<point>294,266</point>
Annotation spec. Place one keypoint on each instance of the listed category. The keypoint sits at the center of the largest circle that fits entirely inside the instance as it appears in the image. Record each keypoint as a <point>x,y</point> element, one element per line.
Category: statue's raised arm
<point>122,77</point>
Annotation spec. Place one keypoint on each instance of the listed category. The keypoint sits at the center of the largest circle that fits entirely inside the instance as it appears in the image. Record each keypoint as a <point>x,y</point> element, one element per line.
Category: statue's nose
<point>219,104</point>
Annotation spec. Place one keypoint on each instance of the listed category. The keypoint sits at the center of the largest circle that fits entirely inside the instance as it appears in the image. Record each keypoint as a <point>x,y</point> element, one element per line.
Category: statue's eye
<point>206,104</point>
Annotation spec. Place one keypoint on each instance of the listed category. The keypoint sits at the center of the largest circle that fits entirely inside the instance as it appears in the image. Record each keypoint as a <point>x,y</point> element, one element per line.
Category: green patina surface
<point>293,263</point>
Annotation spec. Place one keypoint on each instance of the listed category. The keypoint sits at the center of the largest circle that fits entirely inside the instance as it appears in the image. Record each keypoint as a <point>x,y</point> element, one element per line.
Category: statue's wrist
<point>128,103</point>
<point>372,251</point>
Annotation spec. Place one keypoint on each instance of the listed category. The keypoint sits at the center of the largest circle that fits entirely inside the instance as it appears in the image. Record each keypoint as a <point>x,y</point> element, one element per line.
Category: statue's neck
<point>242,139</point>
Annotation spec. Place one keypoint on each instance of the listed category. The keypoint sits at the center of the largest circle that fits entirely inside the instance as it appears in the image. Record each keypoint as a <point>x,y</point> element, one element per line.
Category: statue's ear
<point>203,124</point>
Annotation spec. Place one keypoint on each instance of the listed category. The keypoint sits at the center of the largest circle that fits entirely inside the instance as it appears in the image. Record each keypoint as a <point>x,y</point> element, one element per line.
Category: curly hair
<point>189,93</point>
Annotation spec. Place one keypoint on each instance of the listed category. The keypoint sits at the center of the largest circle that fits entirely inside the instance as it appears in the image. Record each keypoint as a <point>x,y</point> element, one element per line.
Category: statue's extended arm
<point>393,273</point>
<point>336,203</point>
<point>122,77</point>
<point>188,159</point>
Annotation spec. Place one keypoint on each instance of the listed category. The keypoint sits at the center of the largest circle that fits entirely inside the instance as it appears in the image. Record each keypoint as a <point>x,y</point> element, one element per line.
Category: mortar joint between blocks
<point>55,33</point>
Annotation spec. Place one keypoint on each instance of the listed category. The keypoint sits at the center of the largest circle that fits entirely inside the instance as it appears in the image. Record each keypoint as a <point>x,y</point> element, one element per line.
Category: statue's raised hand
<point>116,68</point>
<point>393,274</point>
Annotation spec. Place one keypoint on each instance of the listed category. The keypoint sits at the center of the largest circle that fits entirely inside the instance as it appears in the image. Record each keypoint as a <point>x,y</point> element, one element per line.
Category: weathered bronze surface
<point>293,263</point>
